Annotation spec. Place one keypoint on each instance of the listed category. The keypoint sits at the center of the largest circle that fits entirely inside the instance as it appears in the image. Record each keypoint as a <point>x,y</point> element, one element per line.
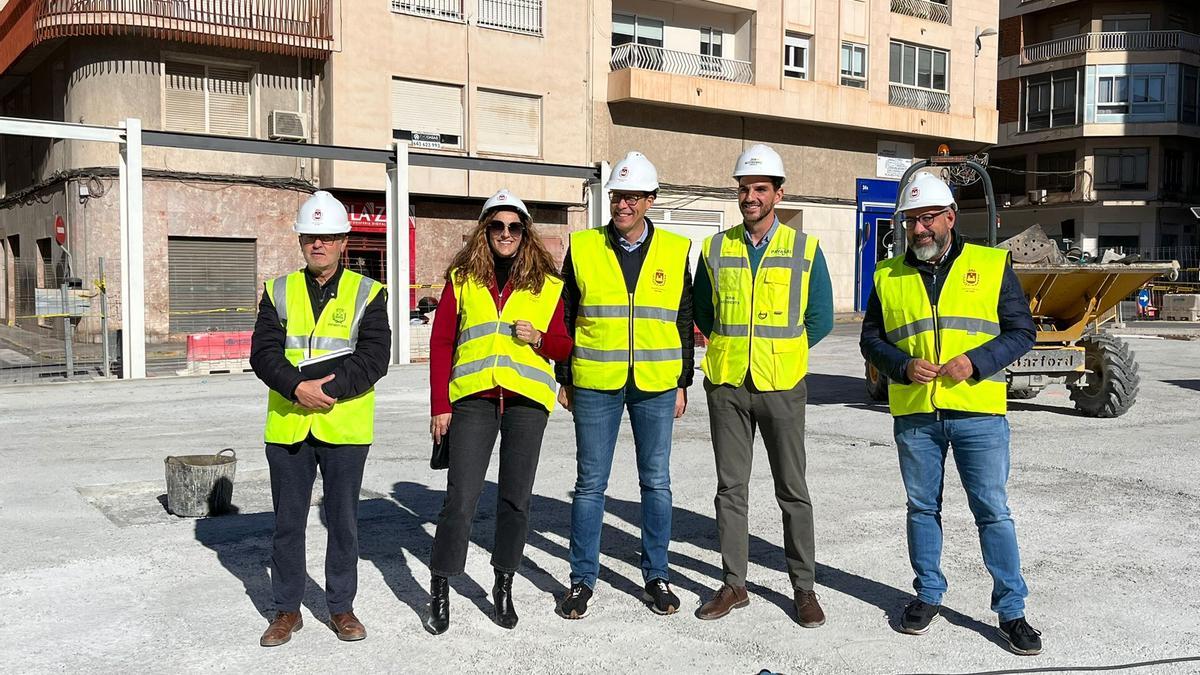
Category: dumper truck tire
<point>877,384</point>
<point>1112,384</point>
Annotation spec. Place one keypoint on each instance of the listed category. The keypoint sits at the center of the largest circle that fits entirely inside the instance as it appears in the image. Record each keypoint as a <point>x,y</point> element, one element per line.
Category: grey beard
<point>928,251</point>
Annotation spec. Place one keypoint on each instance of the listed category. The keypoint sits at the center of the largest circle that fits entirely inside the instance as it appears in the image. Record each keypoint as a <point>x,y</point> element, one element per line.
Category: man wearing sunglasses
<point>627,291</point>
<point>942,323</point>
<point>324,423</point>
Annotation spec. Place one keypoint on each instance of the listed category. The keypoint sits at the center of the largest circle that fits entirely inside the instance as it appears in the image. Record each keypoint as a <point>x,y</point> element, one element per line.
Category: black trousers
<point>473,429</point>
<point>293,470</point>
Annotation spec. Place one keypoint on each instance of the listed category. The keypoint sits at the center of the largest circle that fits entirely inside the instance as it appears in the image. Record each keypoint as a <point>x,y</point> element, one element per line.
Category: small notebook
<point>320,366</point>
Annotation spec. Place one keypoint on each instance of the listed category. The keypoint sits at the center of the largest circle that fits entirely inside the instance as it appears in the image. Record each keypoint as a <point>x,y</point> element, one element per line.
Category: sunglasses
<point>497,226</point>
<point>925,219</point>
<point>309,239</point>
<point>627,198</point>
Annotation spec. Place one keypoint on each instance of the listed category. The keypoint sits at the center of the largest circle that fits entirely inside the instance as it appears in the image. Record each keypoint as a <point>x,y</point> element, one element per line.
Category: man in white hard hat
<point>317,420</point>
<point>942,323</point>
<point>763,298</point>
<point>628,306</point>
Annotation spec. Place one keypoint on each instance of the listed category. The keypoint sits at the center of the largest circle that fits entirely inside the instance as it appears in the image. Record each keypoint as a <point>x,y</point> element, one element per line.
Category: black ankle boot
<point>503,612</point>
<point>438,619</point>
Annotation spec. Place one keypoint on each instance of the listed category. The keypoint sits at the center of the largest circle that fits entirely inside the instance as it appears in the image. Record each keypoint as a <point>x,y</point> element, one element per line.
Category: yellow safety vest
<point>616,330</point>
<point>758,322</point>
<point>487,355</point>
<point>966,316</point>
<point>351,421</point>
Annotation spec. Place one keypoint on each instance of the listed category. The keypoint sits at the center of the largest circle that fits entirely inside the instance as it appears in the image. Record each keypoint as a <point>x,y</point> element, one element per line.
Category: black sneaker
<point>1022,638</point>
<point>917,617</point>
<point>575,604</point>
<point>662,600</point>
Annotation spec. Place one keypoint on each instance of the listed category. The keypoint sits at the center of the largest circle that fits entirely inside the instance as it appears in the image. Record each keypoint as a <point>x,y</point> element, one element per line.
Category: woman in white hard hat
<point>498,325</point>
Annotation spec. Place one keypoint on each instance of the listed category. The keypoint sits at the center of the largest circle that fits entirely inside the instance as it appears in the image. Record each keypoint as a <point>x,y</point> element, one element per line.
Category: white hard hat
<point>924,190</point>
<point>759,160</point>
<point>504,198</point>
<point>322,213</point>
<point>635,173</point>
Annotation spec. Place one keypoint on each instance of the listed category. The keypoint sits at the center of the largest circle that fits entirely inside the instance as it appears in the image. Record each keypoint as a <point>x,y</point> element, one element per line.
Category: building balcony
<point>299,27</point>
<point>905,96</point>
<point>646,57</point>
<point>1122,41</point>
<point>930,10</point>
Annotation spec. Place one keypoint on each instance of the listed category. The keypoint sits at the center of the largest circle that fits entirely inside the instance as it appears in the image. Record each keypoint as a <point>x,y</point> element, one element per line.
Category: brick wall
<point>1008,99</point>
<point>1010,36</point>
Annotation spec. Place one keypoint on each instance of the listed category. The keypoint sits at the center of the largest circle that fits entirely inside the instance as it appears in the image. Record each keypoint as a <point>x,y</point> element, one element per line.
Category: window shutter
<point>508,123</point>
<point>428,107</point>
<point>184,100</point>
<point>229,101</point>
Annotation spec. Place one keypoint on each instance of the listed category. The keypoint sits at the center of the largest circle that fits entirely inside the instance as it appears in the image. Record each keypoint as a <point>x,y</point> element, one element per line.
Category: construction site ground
<point>97,576</point>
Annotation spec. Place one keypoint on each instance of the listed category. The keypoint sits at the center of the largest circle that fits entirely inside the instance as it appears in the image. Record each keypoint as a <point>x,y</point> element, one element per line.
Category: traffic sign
<point>60,230</point>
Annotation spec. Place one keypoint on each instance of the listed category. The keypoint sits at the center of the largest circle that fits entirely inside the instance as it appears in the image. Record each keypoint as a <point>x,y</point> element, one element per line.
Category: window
<point>854,65</point>
<point>1004,180</point>
<point>206,279</point>
<point>428,114</point>
<point>1122,168</point>
<point>796,49</point>
<point>1064,30</point>
<point>521,16</point>
<point>640,30</point>
<point>1172,180</point>
<point>1147,93</point>
<point>711,40</point>
<point>1062,162</point>
<point>509,124</point>
<point>207,98</point>
<point>913,65</point>
<point>1112,94</point>
<point>1051,100</point>
<point>1125,22</point>
<point>1189,78</point>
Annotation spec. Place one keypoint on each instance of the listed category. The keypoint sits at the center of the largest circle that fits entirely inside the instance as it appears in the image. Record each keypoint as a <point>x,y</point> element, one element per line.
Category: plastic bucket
<point>200,485</point>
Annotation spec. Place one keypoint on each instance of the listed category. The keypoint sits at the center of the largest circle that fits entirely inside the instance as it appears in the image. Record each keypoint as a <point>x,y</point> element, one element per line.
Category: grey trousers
<point>734,413</point>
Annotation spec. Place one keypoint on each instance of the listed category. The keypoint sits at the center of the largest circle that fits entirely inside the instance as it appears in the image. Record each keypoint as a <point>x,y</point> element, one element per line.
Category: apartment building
<point>499,86</point>
<point>1098,105</point>
<point>848,91</point>
<point>216,224</point>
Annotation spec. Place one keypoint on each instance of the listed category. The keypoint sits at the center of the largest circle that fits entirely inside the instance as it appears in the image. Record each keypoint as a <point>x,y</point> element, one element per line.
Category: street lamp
<point>982,33</point>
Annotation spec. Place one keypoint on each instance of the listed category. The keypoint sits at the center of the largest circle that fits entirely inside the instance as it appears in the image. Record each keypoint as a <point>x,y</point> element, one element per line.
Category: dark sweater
<point>1017,330</point>
<point>631,269</point>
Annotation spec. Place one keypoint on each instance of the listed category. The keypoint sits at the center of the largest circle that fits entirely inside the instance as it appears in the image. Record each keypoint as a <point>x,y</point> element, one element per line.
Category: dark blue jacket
<point>1017,330</point>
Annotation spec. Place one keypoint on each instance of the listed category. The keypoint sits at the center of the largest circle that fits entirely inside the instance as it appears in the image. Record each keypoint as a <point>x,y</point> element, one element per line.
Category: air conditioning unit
<point>285,125</point>
<point>1037,196</point>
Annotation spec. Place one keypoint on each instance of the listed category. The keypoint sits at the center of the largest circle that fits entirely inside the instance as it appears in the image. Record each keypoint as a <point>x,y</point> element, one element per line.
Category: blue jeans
<point>597,420</point>
<point>980,446</point>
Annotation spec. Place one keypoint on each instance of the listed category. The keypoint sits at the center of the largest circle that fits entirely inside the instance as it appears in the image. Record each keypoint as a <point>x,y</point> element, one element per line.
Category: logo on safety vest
<point>339,316</point>
<point>660,278</point>
<point>762,315</point>
<point>971,278</point>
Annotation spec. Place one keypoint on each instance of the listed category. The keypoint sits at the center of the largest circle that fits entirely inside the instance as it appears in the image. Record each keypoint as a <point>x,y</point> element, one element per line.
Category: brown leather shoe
<point>348,627</point>
<point>808,611</point>
<point>726,600</point>
<point>281,629</point>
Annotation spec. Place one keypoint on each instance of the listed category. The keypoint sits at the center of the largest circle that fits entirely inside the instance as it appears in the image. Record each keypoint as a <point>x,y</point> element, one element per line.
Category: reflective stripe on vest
<point>351,421</point>
<point>488,355</point>
<point>758,322</point>
<point>966,317</point>
<point>616,330</point>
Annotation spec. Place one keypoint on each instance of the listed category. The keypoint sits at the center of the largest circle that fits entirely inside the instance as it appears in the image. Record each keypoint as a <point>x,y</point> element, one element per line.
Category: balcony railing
<point>521,16</point>
<point>437,9</point>
<point>921,99</point>
<point>681,63</point>
<point>930,10</point>
<point>1122,41</point>
<point>289,26</point>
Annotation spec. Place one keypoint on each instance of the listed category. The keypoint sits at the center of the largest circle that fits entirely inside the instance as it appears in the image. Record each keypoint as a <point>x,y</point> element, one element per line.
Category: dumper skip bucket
<point>200,485</point>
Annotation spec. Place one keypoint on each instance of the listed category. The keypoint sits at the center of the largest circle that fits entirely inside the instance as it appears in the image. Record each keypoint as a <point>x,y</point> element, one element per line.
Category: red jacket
<point>556,345</point>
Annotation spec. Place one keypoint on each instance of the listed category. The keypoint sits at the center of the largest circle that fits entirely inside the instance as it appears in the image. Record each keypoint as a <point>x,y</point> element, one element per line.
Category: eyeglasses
<point>310,239</point>
<point>618,197</point>
<point>926,219</point>
<point>514,229</point>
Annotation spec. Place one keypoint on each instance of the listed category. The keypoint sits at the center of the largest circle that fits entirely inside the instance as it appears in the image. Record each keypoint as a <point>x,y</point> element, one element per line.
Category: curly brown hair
<point>532,265</point>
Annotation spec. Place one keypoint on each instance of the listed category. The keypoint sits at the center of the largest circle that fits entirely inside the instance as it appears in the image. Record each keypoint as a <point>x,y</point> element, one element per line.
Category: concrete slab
<point>96,577</point>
